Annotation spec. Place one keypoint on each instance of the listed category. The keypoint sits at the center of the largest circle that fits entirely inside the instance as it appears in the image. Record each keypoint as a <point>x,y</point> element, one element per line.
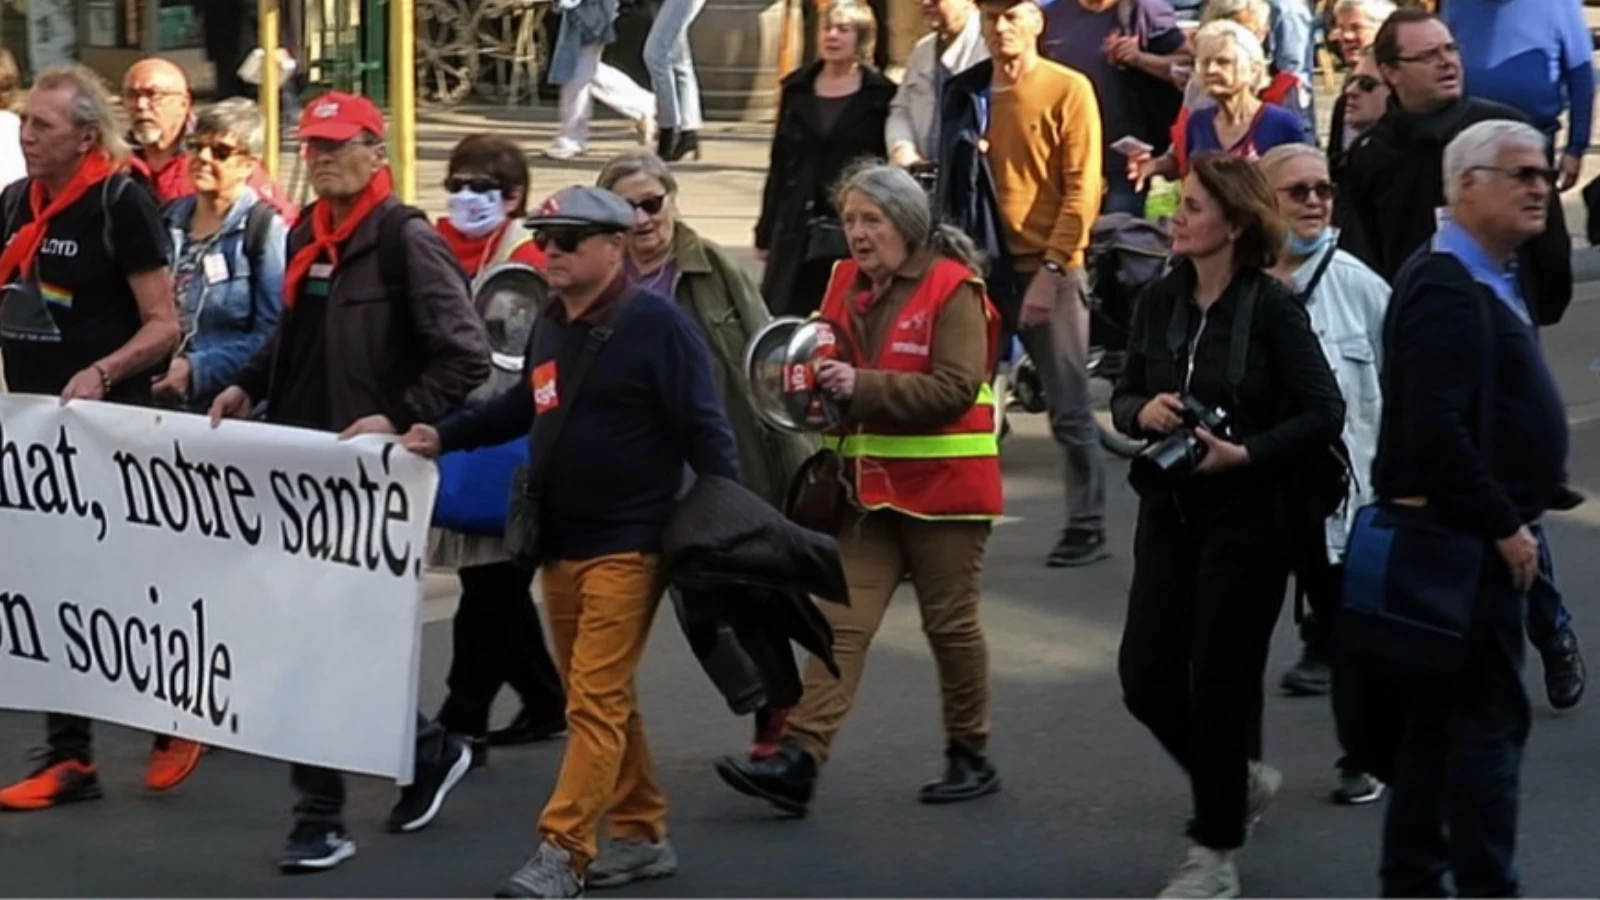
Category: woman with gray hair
<point>667,257</point>
<point>918,451</point>
<point>1347,302</point>
<point>228,260</point>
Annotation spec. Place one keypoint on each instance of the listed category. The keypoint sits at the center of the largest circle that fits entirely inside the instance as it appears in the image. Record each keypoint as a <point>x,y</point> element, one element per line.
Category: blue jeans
<point>1548,615</point>
<point>671,65</point>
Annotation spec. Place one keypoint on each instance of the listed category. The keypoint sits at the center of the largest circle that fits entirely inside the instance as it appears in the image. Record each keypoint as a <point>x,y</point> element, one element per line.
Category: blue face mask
<point>1302,246</point>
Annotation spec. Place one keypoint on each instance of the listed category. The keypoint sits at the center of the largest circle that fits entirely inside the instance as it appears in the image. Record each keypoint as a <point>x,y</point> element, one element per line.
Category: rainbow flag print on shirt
<point>55,296</point>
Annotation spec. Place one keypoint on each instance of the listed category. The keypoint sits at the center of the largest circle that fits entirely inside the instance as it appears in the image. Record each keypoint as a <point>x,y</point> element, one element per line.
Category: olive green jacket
<point>729,309</point>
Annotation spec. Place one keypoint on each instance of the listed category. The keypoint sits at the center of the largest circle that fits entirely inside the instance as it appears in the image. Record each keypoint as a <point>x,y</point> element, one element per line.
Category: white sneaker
<point>561,148</point>
<point>1262,790</point>
<point>1204,874</point>
<point>627,861</point>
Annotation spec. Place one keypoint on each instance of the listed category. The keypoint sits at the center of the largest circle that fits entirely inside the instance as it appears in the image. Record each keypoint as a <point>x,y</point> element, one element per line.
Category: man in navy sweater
<point>1461,336</point>
<point>648,406</point>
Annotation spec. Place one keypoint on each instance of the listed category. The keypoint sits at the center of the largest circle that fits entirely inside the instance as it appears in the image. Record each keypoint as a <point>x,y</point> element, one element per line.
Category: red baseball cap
<point>337,116</point>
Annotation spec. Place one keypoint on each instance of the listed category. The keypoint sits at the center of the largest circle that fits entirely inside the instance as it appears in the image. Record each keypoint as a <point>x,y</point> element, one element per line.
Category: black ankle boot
<point>688,143</point>
<point>666,143</point>
<point>967,776</point>
<point>784,779</point>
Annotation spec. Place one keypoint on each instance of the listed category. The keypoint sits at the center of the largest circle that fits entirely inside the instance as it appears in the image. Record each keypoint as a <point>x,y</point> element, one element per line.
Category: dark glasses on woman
<point>218,150</point>
<point>478,185</point>
<point>1366,84</point>
<point>565,238</point>
<point>1302,192</point>
<point>649,205</point>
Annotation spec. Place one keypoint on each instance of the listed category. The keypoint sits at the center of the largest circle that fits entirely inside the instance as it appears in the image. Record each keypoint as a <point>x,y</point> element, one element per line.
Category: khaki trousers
<point>600,611</point>
<point>945,561</point>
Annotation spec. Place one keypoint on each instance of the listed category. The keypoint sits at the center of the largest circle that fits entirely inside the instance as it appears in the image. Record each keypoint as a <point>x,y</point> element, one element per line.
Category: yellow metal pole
<point>270,82</point>
<point>403,97</point>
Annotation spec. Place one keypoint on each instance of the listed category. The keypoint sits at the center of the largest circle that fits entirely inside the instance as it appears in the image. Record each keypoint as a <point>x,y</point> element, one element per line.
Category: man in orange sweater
<point>1043,143</point>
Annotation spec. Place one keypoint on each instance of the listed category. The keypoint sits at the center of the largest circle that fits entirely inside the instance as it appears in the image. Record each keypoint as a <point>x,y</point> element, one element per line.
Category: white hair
<point>1283,154</point>
<point>1248,46</point>
<point>1480,146</point>
<point>1375,10</point>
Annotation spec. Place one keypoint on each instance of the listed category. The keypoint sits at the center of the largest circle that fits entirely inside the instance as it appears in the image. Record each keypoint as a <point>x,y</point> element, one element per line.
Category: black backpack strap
<point>547,426</point>
<point>1316,275</point>
<point>1239,339</point>
<point>110,192</point>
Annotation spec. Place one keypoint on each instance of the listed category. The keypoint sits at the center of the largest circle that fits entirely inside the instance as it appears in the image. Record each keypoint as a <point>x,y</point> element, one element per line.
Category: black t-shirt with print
<point>83,309</point>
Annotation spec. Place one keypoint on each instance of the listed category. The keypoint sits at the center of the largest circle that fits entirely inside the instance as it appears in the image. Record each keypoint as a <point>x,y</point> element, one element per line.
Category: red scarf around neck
<point>471,252</point>
<point>325,239</point>
<point>17,260</point>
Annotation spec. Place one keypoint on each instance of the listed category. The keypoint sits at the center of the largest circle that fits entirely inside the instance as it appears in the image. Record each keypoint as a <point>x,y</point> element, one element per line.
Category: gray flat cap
<point>584,206</point>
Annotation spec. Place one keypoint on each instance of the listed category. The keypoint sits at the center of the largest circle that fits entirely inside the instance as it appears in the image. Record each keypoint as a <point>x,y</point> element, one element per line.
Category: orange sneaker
<point>171,764</point>
<point>56,782</point>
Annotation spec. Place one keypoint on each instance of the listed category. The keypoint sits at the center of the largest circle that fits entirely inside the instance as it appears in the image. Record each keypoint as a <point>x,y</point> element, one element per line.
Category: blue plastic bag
<point>475,488</point>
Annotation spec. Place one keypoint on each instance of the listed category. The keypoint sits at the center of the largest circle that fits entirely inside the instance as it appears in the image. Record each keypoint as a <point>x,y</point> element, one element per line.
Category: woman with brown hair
<point>1217,341</point>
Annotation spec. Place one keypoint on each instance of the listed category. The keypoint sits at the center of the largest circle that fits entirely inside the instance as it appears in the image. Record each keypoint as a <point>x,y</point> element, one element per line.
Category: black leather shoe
<point>966,777</point>
<point>666,143</point>
<point>784,779</point>
<point>1310,677</point>
<point>1565,675</point>
<point>525,729</point>
<point>687,144</point>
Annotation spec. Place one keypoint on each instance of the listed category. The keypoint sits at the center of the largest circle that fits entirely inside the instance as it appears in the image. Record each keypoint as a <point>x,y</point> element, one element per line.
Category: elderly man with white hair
<point>1472,452</point>
<point>1356,24</point>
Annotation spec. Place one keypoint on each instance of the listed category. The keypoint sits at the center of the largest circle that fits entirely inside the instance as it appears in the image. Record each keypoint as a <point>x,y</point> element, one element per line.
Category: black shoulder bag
<point>1411,580</point>
<point>524,520</point>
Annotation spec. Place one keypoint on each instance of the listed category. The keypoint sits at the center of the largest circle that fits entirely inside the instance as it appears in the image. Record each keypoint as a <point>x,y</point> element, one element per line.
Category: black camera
<point>1175,456</point>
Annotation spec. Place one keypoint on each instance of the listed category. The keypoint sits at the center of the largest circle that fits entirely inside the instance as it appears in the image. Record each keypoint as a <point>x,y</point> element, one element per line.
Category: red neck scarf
<point>471,252</point>
<point>326,239</point>
<point>17,260</point>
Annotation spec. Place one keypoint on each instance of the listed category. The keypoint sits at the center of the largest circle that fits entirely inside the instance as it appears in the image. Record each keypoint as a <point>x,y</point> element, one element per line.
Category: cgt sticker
<point>545,397</point>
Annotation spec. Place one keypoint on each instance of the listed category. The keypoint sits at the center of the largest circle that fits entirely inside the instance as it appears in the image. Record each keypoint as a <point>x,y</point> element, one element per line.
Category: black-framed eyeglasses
<point>565,238</point>
<point>476,184</point>
<point>649,205</point>
<point>1366,84</point>
<point>219,151</point>
<point>1300,193</point>
<point>323,146</point>
<point>1527,176</point>
<point>1433,54</point>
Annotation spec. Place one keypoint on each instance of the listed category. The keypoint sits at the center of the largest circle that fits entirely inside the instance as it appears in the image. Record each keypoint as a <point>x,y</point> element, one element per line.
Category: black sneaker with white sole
<point>316,847</point>
<point>420,801</point>
<point>1357,789</point>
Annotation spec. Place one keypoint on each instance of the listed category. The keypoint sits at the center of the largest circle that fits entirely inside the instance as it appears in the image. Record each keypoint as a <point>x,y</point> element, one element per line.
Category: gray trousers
<point>1060,352</point>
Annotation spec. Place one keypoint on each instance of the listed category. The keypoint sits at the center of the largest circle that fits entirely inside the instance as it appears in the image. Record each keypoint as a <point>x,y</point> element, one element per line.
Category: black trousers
<point>321,791</point>
<point>72,737</point>
<point>1453,760</point>
<point>1323,585</point>
<point>1204,601</point>
<point>498,640</point>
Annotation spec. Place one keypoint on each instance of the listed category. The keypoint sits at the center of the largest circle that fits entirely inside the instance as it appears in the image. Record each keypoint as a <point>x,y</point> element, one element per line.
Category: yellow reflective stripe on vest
<point>922,446</point>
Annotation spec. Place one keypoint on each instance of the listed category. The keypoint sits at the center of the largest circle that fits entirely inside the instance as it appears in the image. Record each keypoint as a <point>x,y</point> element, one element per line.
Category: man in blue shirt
<point>1535,56</point>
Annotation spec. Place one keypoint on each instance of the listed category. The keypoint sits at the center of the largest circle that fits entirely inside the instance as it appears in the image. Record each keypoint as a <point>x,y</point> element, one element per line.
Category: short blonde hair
<point>859,18</point>
<point>1283,154</point>
<point>1251,53</point>
<point>91,107</point>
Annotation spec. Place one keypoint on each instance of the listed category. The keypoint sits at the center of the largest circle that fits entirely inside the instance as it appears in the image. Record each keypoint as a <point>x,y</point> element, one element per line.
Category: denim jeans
<point>1060,352</point>
<point>1547,613</point>
<point>669,60</point>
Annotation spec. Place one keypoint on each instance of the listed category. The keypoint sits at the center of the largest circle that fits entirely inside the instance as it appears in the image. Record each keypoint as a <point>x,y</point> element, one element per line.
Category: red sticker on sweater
<point>545,397</point>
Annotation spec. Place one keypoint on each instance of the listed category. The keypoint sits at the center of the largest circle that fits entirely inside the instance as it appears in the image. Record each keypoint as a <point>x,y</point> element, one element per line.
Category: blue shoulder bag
<point>475,487</point>
<point>1410,579</point>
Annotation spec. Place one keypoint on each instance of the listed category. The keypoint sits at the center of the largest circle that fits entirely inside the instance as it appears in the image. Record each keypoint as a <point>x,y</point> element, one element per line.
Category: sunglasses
<point>1302,192</point>
<point>1366,84</point>
<point>219,151</point>
<point>1527,176</point>
<point>457,183</point>
<point>565,238</point>
<point>649,205</point>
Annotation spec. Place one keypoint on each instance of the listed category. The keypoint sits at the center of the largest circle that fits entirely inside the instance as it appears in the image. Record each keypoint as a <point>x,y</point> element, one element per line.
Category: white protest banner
<point>251,587</point>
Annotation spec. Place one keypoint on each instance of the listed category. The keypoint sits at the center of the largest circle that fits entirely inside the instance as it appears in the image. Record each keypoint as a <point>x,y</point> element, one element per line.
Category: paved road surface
<point>1091,806</point>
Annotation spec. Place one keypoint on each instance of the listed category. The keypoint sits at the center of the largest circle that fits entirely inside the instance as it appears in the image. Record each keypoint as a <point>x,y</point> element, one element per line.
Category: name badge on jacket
<point>545,397</point>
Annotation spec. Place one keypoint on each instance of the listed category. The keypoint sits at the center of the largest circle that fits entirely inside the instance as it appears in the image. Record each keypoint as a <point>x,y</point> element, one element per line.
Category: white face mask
<point>474,214</point>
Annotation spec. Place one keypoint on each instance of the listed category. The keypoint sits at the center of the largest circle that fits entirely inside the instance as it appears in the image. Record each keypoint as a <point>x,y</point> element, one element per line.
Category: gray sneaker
<point>1264,784</point>
<point>1204,874</point>
<point>626,861</point>
<point>548,874</point>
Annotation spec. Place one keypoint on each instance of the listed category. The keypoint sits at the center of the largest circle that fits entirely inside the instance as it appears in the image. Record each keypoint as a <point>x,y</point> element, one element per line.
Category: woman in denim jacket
<point>228,275</point>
